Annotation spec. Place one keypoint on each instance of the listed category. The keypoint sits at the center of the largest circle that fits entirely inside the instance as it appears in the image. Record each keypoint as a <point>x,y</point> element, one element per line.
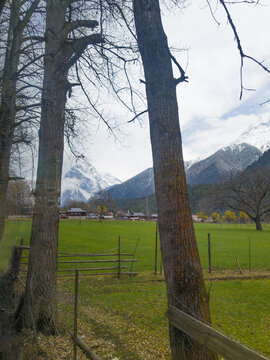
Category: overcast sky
<point>211,115</point>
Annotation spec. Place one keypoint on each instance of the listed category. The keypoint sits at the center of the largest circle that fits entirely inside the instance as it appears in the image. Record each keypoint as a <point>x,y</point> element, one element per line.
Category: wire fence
<point>92,327</point>
<point>237,253</point>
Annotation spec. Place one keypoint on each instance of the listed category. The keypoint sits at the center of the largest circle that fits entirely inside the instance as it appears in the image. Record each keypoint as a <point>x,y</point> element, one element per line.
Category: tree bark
<point>8,104</point>
<point>182,269</point>
<point>8,96</point>
<point>9,342</point>
<point>258,224</point>
<point>40,305</point>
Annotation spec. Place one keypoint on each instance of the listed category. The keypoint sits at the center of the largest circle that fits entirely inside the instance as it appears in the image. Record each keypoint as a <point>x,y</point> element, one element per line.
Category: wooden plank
<point>80,255</point>
<point>94,261</point>
<point>93,269</point>
<point>23,247</point>
<point>89,353</point>
<point>89,261</point>
<point>87,269</point>
<point>211,338</point>
<point>104,273</point>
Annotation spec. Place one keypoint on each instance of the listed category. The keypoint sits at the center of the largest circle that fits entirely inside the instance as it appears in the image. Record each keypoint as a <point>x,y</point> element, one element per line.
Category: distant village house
<point>75,213</point>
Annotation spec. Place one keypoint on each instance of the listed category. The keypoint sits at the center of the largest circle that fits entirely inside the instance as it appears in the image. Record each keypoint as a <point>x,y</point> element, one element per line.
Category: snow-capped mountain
<point>138,186</point>
<point>256,135</point>
<point>80,183</point>
<point>208,171</point>
<point>216,167</point>
<point>189,163</point>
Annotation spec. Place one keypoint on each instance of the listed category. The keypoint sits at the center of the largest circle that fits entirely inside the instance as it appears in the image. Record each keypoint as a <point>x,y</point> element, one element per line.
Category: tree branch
<point>183,77</point>
<point>241,51</point>
<point>2,4</point>
<point>70,26</point>
<point>137,115</point>
<point>28,14</point>
<point>77,47</point>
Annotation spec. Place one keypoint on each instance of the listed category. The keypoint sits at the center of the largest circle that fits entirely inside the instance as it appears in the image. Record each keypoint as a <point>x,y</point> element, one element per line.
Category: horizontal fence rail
<point>211,338</point>
<point>72,255</point>
<point>102,273</point>
<point>117,260</point>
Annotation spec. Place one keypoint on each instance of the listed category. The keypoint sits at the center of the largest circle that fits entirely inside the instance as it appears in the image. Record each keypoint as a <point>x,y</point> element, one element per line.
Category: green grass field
<point>111,311</point>
<point>117,309</point>
<point>227,241</point>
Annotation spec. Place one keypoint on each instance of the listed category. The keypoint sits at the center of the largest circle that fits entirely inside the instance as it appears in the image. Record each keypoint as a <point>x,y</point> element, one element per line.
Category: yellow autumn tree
<point>243,218</point>
<point>229,216</point>
<point>215,217</point>
<point>202,216</point>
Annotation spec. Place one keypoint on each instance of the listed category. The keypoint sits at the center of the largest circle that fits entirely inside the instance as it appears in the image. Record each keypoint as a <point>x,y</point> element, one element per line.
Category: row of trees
<point>63,37</point>
<point>228,216</point>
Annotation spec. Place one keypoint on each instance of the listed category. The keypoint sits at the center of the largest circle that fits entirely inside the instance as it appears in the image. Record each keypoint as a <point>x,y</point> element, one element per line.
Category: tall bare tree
<point>182,268</point>
<point>247,191</point>
<point>61,53</point>
<point>17,25</point>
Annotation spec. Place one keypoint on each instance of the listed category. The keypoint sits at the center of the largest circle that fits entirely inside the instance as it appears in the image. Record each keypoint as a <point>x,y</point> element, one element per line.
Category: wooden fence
<point>117,260</point>
<point>211,338</point>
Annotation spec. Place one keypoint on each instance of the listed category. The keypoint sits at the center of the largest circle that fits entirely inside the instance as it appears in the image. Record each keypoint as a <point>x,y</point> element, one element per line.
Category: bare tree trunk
<point>40,308</point>
<point>258,224</point>
<point>8,96</point>
<point>182,269</point>
<point>9,343</point>
<point>40,305</point>
<point>8,105</point>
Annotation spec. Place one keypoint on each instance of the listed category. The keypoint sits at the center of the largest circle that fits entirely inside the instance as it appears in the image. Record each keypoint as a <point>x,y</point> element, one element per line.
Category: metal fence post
<point>119,257</point>
<point>75,313</point>
<point>209,254</point>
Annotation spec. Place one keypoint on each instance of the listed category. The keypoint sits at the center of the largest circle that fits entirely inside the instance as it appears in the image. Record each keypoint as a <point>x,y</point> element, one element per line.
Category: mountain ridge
<point>80,183</point>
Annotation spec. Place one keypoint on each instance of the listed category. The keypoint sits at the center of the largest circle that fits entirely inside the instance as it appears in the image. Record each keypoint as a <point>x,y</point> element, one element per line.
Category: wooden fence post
<point>119,257</point>
<point>209,254</point>
<point>75,313</point>
<point>156,245</point>
<point>238,265</point>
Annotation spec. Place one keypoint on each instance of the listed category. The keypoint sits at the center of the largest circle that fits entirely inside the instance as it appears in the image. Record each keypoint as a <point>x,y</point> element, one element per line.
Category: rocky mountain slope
<point>262,162</point>
<point>216,167</point>
<point>232,158</point>
<point>138,186</point>
<point>80,183</point>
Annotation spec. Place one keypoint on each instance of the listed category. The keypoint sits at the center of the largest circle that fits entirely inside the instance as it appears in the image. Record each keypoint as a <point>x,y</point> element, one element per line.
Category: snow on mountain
<point>81,182</point>
<point>216,167</point>
<point>256,135</point>
<point>189,163</point>
<point>140,185</point>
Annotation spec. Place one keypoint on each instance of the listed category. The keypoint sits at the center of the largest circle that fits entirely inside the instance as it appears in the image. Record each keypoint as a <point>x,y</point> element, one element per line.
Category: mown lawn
<point>127,316</point>
<point>228,242</point>
<point>131,313</point>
